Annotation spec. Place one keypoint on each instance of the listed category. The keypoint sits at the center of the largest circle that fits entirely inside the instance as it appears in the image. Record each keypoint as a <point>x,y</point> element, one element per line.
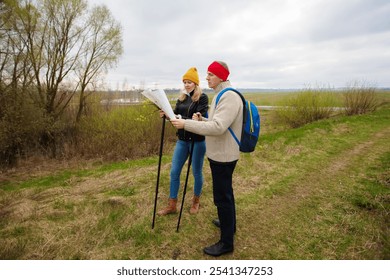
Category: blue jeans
<point>180,155</point>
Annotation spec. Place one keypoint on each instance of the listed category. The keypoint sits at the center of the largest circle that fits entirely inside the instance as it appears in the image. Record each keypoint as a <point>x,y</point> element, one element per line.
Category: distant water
<point>127,102</point>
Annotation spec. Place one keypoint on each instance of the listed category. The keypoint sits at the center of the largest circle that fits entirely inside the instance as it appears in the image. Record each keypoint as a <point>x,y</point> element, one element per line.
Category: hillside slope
<point>317,192</point>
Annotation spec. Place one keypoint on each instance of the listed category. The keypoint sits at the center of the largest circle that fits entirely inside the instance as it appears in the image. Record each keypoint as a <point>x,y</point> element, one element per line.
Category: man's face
<point>213,80</point>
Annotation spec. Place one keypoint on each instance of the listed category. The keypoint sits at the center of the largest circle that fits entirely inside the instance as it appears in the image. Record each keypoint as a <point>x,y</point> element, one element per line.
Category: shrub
<point>360,99</point>
<point>122,132</point>
<point>307,106</point>
<point>20,125</point>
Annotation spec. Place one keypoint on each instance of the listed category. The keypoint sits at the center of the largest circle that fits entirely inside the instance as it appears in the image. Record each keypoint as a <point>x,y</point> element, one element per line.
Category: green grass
<point>320,191</point>
<point>67,177</point>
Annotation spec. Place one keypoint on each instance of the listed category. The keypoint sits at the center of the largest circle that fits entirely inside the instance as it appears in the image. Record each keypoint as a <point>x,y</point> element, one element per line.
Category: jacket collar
<point>190,94</point>
<point>222,85</point>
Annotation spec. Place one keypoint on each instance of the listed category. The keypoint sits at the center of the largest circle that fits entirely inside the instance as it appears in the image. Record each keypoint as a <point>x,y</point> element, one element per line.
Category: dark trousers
<point>222,174</point>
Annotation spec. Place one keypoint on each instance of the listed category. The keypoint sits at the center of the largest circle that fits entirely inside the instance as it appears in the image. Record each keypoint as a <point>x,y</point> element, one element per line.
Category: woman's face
<point>213,80</point>
<point>189,85</point>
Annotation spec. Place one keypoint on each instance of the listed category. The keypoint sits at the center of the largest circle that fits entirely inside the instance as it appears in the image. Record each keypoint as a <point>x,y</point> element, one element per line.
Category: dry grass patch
<point>298,197</point>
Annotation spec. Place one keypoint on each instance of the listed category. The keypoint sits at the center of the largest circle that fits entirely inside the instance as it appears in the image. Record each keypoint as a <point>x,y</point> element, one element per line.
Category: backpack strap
<point>234,136</point>
<point>243,109</point>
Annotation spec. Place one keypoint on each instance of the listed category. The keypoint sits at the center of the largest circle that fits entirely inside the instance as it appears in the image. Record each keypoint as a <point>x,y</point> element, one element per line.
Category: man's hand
<point>178,123</point>
<point>197,116</point>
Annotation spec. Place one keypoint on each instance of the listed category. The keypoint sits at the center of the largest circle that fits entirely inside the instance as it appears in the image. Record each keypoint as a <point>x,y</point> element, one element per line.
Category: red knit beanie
<point>218,70</point>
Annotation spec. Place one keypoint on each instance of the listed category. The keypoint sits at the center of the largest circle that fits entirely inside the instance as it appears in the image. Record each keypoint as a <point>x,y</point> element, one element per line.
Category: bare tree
<point>101,48</point>
<point>54,50</point>
<point>17,126</point>
<point>59,48</point>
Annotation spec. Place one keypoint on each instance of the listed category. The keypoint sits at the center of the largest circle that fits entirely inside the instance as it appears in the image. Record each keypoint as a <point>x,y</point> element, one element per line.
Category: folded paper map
<point>159,98</point>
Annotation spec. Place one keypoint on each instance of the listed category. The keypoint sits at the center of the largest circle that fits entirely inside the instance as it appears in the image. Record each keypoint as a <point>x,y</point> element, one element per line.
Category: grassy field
<point>321,191</point>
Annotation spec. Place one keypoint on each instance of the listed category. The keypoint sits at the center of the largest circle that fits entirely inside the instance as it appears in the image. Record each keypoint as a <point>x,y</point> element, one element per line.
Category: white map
<point>159,98</point>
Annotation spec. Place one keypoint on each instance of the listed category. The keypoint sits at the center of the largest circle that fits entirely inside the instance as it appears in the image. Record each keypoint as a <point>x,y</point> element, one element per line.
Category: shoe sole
<point>217,255</point>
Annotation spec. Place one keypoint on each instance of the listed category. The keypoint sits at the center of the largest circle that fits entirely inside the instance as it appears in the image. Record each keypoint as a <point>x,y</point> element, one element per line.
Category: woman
<point>189,102</point>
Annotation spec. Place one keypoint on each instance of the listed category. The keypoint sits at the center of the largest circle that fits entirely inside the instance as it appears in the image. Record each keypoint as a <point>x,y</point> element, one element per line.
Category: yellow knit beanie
<point>192,75</point>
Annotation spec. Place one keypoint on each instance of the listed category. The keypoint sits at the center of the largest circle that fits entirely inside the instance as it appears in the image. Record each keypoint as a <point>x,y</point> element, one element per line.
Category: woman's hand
<point>162,114</point>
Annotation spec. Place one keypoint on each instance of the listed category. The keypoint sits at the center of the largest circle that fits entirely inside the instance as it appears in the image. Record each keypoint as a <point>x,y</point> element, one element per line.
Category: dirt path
<point>288,216</point>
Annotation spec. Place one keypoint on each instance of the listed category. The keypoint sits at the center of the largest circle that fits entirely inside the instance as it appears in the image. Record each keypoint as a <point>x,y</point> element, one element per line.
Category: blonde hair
<point>195,97</point>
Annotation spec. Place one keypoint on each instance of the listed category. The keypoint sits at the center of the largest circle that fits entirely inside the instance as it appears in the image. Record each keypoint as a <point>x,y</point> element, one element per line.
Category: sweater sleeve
<point>223,116</point>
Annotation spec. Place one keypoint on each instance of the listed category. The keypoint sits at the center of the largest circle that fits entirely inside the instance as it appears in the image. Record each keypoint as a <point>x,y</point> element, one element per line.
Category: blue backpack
<point>250,123</point>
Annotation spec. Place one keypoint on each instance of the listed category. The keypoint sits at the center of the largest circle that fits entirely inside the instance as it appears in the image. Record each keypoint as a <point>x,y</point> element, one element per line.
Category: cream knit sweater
<point>220,144</point>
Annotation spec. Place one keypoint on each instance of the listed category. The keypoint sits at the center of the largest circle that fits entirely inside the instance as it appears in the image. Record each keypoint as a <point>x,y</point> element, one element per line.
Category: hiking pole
<point>186,182</point>
<point>158,170</point>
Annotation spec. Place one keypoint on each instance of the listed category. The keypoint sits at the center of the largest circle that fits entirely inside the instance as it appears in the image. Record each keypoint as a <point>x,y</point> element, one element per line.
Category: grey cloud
<point>273,43</point>
<point>339,19</point>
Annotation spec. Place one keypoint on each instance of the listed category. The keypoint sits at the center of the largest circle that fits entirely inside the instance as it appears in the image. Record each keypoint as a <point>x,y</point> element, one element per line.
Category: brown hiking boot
<point>195,205</point>
<point>170,209</point>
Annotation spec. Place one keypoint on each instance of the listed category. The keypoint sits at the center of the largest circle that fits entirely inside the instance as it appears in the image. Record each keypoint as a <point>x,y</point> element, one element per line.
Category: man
<point>222,150</point>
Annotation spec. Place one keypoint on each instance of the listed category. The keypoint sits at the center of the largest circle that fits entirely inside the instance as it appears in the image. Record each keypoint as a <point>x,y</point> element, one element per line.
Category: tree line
<point>52,55</point>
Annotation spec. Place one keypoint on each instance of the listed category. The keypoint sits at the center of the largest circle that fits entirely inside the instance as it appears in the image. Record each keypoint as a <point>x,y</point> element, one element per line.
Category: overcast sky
<point>266,43</point>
